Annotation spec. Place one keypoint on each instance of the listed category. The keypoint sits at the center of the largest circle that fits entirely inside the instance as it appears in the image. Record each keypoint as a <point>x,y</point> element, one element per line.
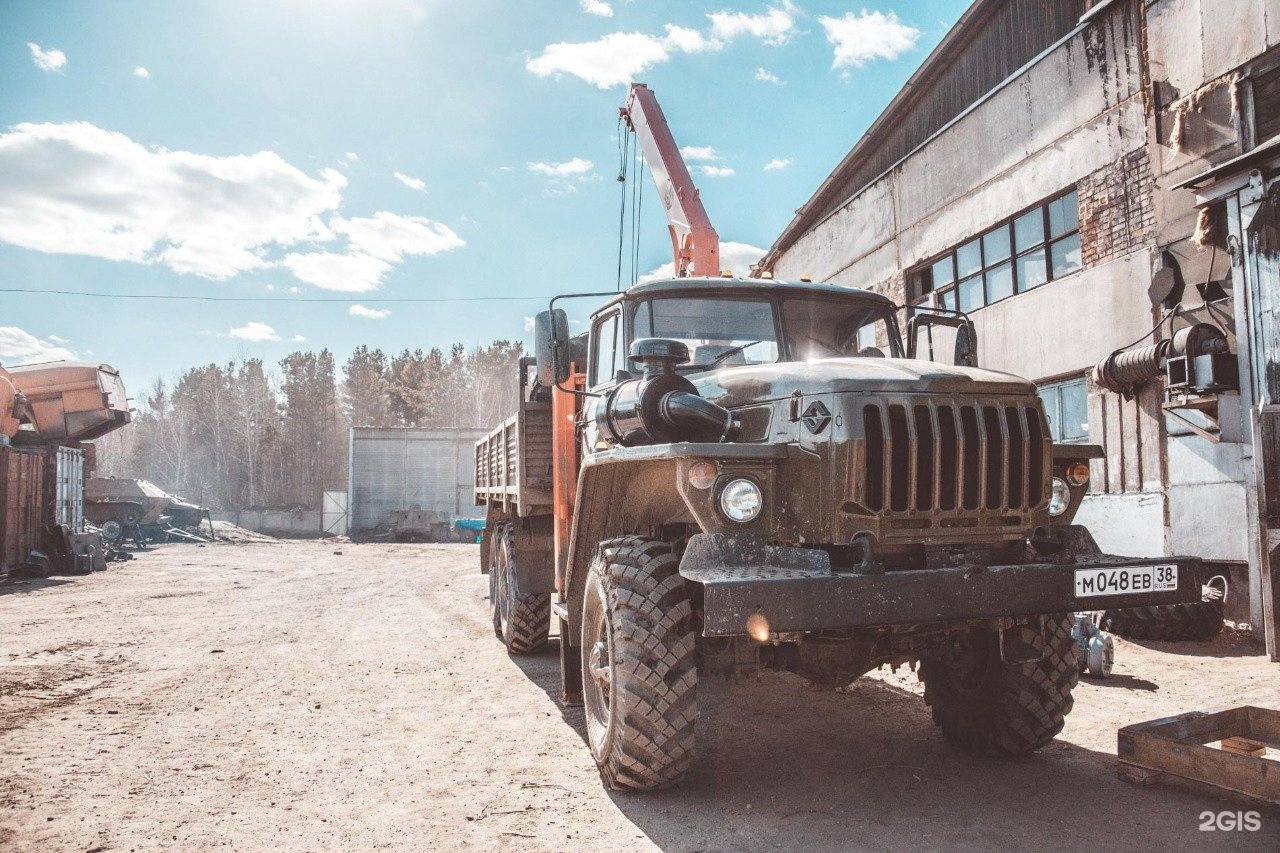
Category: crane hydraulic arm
<point>694,242</point>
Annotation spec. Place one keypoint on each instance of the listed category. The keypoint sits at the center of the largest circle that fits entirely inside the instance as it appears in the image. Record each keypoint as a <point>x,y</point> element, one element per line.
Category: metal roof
<point>744,286</point>
<point>1034,37</point>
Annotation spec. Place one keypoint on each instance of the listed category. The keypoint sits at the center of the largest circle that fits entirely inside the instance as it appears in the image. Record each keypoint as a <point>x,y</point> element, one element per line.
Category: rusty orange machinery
<point>565,408</point>
<point>62,401</point>
<point>44,407</point>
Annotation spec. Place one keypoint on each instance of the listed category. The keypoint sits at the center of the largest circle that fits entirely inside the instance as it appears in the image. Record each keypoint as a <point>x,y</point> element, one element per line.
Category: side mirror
<point>967,345</point>
<point>551,347</point>
<point>966,336</point>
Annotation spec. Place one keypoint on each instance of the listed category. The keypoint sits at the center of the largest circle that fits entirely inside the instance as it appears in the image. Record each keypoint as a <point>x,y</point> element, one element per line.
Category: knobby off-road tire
<point>988,707</point>
<point>639,672</point>
<point>1199,620</point>
<point>521,620</point>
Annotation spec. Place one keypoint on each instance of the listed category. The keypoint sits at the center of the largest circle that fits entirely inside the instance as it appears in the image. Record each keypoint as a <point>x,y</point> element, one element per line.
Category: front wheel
<point>639,673</point>
<point>988,707</point>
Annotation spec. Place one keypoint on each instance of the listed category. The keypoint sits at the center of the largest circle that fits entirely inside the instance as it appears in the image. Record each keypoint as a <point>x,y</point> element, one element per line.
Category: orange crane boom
<point>694,242</point>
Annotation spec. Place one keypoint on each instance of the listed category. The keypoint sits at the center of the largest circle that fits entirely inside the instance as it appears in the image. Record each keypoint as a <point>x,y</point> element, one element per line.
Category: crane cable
<point>624,148</point>
<point>635,230</point>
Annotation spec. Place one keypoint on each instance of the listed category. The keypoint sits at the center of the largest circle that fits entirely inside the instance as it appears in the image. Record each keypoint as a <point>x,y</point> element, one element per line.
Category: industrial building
<point>1083,178</point>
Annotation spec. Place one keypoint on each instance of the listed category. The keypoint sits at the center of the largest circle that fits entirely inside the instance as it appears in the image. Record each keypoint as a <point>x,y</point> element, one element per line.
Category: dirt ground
<point>313,696</point>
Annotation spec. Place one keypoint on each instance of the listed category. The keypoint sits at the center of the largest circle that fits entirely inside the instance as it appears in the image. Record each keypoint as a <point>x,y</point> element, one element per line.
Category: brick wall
<point>1117,210</point>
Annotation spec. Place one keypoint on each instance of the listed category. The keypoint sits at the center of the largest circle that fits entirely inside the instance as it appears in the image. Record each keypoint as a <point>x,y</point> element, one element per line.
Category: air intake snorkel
<point>662,406</point>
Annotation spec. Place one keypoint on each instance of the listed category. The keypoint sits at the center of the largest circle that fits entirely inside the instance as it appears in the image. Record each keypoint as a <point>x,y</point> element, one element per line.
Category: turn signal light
<point>702,475</point>
<point>758,627</point>
<point>1078,473</point>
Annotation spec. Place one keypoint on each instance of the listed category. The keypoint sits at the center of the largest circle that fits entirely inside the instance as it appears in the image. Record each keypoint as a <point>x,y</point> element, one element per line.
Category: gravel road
<point>313,696</point>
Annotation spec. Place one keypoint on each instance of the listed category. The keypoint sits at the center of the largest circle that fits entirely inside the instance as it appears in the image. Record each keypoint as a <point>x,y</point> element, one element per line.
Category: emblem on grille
<point>816,417</point>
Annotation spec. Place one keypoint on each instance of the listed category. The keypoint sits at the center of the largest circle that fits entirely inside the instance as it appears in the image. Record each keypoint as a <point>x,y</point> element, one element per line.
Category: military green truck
<point>728,475</point>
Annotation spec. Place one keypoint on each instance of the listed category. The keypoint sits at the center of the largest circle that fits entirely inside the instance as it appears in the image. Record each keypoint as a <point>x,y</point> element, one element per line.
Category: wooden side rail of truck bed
<point>513,462</point>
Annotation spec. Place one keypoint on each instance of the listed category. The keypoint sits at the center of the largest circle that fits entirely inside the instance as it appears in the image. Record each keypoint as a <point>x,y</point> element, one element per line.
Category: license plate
<point>1125,579</point>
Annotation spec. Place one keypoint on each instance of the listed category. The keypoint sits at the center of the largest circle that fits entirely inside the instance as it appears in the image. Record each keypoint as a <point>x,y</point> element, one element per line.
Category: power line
<point>198,298</point>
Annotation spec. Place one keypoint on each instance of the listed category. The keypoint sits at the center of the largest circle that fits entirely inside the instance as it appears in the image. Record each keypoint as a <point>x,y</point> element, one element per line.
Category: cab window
<point>839,328</point>
<point>719,332</point>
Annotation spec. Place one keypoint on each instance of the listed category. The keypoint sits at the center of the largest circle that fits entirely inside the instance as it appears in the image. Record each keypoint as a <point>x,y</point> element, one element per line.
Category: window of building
<point>1017,255</point>
<point>1067,406</point>
<point>1260,101</point>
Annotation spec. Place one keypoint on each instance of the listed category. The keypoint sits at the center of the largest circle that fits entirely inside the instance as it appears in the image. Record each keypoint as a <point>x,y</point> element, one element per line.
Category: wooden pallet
<point>1175,746</point>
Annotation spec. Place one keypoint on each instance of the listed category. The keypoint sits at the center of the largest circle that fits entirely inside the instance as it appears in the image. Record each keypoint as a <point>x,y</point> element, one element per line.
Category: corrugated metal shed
<point>397,468</point>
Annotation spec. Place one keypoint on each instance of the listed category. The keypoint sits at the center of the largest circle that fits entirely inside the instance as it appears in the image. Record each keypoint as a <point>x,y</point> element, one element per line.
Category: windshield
<point>839,328</point>
<point>729,332</point>
<point>717,331</point>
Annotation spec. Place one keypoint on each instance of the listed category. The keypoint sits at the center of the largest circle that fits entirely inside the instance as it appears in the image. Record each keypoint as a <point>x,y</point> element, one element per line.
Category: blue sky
<point>357,150</point>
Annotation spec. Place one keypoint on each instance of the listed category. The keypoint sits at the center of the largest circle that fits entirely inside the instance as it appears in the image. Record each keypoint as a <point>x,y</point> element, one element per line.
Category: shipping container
<point>22,498</point>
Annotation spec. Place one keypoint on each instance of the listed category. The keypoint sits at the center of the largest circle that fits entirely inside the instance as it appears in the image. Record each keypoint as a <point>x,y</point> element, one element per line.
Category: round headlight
<point>741,501</point>
<point>1059,498</point>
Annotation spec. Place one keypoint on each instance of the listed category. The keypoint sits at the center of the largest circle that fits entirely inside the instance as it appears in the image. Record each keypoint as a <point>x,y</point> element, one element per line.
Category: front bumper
<point>797,591</point>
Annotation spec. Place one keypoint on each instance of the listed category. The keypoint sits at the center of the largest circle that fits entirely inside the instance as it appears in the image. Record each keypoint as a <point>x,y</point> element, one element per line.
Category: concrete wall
<point>297,524</point>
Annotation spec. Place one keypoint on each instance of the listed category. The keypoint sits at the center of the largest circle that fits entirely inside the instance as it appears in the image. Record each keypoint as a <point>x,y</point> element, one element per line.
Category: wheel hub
<point>598,664</point>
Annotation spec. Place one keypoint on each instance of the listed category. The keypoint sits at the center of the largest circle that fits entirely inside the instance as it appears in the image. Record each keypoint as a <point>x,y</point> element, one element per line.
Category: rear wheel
<point>988,707</point>
<point>521,620</point>
<point>639,673</point>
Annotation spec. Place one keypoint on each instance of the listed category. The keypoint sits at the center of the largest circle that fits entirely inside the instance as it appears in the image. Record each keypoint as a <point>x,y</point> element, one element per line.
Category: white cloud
<point>611,60</point>
<point>254,331</point>
<point>295,289</point>
<point>733,256</point>
<point>695,153</point>
<point>297,339</point>
<point>778,163</point>
<point>20,347</point>
<point>689,40</point>
<point>351,156</point>
<point>572,168</point>
<point>368,313</point>
<point>374,244</point>
<point>390,236</point>
<point>78,189</point>
<point>765,76</point>
<point>860,38</point>
<point>716,171</point>
<point>348,273</point>
<point>617,58</point>
<point>139,71</point>
<point>47,60</point>
<point>773,27</point>
<point>597,7</point>
<point>530,323</point>
<point>411,182</point>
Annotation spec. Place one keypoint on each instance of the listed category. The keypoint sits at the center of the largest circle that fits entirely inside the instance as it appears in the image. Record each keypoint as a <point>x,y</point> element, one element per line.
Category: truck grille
<point>931,456</point>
